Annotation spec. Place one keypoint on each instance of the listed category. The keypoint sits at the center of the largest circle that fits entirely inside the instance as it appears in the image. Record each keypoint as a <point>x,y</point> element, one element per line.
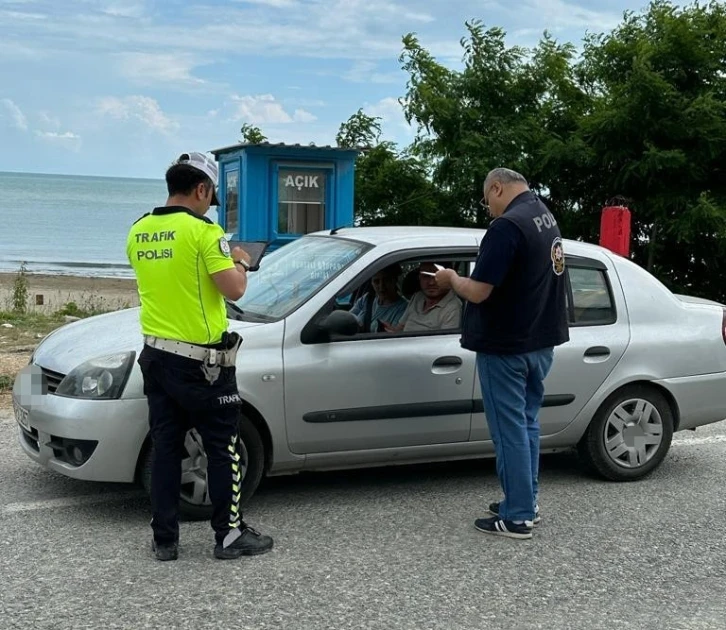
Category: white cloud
<point>148,68</point>
<point>364,72</point>
<point>278,4</point>
<point>351,29</point>
<point>562,14</point>
<point>140,108</point>
<point>120,8</point>
<point>265,109</point>
<point>48,120</point>
<point>16,115</point>
<point>22,15</point>
<point>393,122</point>
<point>67,139</point>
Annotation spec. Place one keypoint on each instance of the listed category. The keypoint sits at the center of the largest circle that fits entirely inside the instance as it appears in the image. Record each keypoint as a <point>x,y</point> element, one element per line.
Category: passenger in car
<point>388,304</point>
<point>431,308</point>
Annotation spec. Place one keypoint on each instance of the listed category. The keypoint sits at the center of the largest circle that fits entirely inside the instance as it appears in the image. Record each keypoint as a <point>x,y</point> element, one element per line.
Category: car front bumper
<point>92,440</point>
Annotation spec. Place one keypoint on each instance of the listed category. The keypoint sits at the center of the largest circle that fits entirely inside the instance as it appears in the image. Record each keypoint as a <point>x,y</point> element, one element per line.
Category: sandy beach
<point>48,294</point>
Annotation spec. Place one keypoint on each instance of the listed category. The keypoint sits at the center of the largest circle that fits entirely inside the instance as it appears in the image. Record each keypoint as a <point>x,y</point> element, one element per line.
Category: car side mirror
<point>340,323</point>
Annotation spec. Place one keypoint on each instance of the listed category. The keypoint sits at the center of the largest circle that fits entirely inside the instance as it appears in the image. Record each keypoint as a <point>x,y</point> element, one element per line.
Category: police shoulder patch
<point>557,255</point>
<point>224,246</point>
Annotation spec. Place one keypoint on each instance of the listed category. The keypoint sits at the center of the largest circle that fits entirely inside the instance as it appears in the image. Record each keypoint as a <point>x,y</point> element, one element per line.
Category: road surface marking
<point>64,502</point>
<point>706,439</point>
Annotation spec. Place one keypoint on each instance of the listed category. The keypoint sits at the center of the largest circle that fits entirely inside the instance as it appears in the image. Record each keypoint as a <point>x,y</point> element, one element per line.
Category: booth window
<point>231,196</point>
<point>301,200</point>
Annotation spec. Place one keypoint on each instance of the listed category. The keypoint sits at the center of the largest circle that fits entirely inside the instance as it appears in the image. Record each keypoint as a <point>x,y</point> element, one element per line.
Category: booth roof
<point>282,145</point>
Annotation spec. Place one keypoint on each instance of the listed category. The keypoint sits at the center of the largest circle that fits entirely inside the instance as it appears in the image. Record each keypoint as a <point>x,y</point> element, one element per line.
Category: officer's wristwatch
<point>244,263</point>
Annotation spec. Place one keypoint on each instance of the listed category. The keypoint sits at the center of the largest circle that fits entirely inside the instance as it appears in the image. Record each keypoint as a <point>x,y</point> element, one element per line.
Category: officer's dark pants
<point>180,398</point>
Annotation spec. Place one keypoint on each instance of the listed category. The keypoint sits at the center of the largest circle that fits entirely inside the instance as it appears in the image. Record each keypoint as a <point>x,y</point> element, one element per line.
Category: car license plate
<point>21,415</point>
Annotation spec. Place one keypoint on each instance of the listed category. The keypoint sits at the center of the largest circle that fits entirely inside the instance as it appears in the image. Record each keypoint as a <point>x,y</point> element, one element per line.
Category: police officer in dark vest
<point>514,317</point>
<point>184,270</point>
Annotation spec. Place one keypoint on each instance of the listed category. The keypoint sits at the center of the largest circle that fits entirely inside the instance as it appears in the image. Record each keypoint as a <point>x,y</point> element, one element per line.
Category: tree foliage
<point>637,113</point>
<point>391,188</point>
<point>657,135</point>
<point>641,114</point>
<point>359,131</point>
<point>252,134</point>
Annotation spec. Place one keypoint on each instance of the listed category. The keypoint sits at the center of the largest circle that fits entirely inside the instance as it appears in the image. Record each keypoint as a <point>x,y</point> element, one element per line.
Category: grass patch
<point>27,328</point>
<point>26,325</point>
<point>26,331</point>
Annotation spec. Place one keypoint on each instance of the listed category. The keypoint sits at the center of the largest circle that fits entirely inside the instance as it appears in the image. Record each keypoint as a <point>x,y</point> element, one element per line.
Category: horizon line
<point>150,179</point>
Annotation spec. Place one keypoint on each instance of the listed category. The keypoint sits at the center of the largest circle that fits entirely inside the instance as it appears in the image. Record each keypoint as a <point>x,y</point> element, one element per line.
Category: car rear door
<point>599,335</point>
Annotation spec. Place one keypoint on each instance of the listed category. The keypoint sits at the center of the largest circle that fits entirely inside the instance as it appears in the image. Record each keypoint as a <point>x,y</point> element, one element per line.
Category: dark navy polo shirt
<point>522,256</point>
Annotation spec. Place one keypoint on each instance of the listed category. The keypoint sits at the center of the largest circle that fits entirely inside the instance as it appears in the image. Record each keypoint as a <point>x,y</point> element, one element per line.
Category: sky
<point>121,87</point>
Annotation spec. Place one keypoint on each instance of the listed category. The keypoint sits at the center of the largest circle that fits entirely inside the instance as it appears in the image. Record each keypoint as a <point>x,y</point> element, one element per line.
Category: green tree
<point>252,134</point>
<point>359,131</point>
<point>640,115</point>
<point>657,135</point>
<point>506,107</point>
<point>391,187</point>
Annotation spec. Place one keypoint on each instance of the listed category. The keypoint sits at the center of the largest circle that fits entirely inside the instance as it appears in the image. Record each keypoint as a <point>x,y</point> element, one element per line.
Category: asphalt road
<point>383,549</point>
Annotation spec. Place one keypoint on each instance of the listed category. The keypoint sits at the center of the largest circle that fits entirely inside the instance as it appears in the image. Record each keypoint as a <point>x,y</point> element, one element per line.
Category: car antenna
<point>340,227</point>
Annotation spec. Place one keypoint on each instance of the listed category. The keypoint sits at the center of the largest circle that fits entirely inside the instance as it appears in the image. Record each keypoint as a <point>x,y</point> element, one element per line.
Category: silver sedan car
<point>323,391</point>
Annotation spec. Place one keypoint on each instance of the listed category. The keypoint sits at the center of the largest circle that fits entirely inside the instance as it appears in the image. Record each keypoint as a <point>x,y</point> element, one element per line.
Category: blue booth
<point>278,192</point>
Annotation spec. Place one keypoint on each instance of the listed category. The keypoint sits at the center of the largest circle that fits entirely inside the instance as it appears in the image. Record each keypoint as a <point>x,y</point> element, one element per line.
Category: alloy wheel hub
<point>633,433</point>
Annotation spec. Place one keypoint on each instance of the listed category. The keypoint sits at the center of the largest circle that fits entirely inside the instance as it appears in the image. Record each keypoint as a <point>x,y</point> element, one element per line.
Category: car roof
<point>441,235</point>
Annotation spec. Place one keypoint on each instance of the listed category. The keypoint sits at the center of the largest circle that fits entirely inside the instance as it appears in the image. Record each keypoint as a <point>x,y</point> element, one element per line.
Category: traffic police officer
<point>514,317</point>
<point>184,270</point>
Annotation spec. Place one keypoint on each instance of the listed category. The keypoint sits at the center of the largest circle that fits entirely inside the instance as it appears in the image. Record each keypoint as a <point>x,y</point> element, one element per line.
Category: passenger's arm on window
<point>388,327</point>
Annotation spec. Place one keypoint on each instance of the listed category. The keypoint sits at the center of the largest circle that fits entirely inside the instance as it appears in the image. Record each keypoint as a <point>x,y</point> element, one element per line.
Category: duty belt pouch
<point>211,367</point>
<point>232,341</point>
<point>217,359</point>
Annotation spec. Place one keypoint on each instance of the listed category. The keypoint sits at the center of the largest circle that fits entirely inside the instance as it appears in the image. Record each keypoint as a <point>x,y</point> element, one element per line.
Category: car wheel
<point>630,434</point>
<point>194,501</point>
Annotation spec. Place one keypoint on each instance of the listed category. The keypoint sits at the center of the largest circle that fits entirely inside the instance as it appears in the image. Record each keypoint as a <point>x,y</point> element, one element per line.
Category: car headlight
<point>102,378</point>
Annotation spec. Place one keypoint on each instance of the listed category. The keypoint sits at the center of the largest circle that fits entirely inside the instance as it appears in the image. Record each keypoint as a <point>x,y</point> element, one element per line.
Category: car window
<point>404,312</point>
<point>290,275</point>
<point>592,302</point>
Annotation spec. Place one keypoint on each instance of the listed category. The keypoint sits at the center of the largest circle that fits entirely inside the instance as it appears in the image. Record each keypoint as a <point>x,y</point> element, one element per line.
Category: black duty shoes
<point>494,509</point>
<point>168,551</point>
<point>250,543</point>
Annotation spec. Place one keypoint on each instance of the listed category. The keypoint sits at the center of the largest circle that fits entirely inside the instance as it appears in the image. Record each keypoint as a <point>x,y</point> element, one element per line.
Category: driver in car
<point>431,308</point>
<point>388,304</point>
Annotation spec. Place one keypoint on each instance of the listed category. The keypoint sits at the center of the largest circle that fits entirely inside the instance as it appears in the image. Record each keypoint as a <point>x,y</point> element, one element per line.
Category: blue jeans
<point>513,390</point>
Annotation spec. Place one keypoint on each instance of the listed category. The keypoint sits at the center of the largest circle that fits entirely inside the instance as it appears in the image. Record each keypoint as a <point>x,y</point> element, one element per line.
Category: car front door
<point>377,390</point>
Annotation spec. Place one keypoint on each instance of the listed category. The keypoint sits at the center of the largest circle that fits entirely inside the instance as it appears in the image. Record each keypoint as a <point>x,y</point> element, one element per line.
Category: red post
<point>615,229</point>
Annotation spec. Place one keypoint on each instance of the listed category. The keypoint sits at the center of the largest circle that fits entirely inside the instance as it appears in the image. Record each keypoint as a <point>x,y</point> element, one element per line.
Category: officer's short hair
<point>504,176</point>
<point>182,179</point>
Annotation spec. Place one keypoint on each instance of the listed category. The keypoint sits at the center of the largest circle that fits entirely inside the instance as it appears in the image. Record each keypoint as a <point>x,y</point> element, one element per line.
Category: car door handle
<point>599,352</point>
<point>446,365</point>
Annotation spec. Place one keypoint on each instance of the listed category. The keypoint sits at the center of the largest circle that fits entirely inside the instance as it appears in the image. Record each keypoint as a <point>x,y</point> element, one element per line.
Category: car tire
<point>629,435</point>
<point>252,459</point>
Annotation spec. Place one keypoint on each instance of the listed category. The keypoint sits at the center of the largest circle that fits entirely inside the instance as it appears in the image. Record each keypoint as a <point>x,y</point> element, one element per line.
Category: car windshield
<point>288,276</point>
